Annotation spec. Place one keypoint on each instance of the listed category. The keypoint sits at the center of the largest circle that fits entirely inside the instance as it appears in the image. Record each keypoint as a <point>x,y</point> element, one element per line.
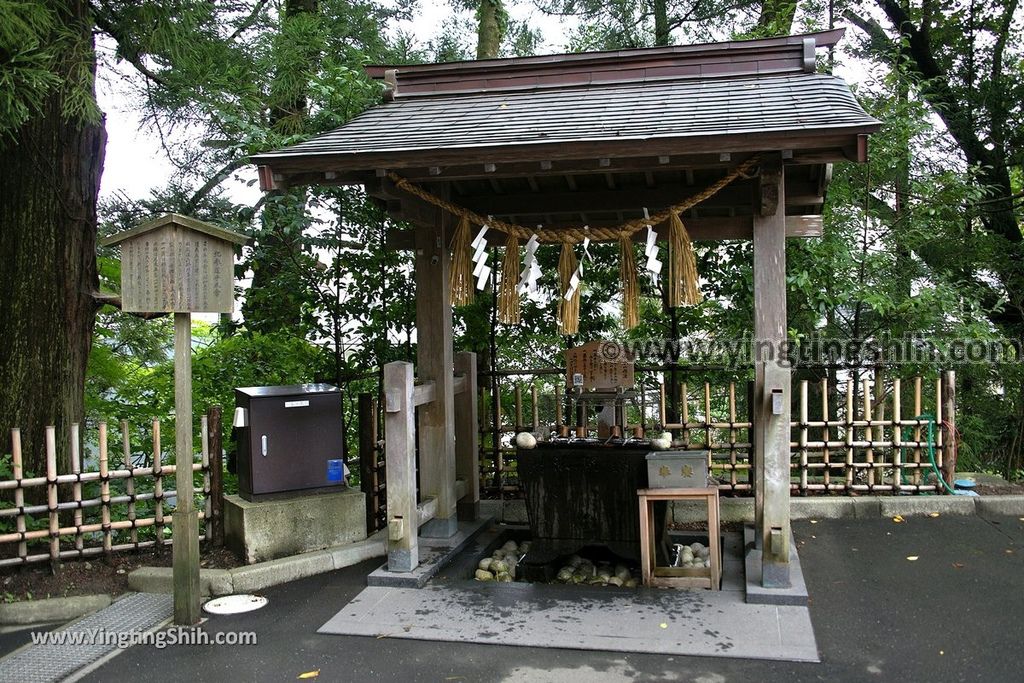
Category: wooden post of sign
<point>434,363</point>
<point>176,264</point>
<point>186,521</point>
<point>771,422</point>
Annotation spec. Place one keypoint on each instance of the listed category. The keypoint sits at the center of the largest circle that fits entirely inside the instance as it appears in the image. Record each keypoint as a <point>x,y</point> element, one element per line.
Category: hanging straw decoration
<point>461,275</point>
<point>682,265</point>
<point>568,308</point>
<point>630,291</point>
<point>508,297</point>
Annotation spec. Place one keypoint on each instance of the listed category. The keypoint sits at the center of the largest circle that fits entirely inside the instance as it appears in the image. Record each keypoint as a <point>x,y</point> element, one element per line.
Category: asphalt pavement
<point>926,599</point>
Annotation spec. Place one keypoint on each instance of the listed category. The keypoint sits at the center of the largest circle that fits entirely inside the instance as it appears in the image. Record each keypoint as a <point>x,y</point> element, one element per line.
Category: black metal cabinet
<point>290,441</point>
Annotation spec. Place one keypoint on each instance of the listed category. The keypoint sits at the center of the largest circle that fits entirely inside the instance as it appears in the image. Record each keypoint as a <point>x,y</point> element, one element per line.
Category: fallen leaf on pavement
<point>958,565</point>
<point>912,558</point>
<point>933,514</point>
<point>898,518</point>
<point>310,674</point>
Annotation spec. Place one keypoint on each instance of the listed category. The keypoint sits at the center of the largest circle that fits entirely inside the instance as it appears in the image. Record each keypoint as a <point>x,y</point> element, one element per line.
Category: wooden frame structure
<point>680,577</point>
<point>594,139</point>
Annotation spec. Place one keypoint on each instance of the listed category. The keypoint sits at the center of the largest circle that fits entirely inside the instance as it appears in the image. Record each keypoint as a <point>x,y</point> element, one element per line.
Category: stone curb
<point>741,510</point>
<point>254,577</point>
<point>29,612</point>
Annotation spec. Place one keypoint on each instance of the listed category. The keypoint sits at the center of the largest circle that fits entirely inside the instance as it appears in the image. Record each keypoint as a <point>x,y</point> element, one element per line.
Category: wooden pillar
<point>772,379</point>
<point>434,363</point>
<point>368,457</point>
<point>467,435</point>
<point>216,522</point>
<point>400,455</point>
<point>186,521</point>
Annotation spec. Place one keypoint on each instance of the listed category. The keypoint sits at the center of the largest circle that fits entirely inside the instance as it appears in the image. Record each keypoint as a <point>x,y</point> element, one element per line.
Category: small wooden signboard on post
<point>176,264</point>
<point>599,366</point>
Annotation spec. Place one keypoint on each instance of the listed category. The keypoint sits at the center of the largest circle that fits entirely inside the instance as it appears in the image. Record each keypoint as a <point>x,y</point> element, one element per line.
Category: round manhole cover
<point>234,604</point>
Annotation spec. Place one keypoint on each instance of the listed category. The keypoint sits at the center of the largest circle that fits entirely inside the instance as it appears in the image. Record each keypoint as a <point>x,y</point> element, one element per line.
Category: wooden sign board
<point>599,366</point>
<point>177,264</point>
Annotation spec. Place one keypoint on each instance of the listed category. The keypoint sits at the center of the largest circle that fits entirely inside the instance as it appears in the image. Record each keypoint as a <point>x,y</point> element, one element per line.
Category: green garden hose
<point>931,450</point>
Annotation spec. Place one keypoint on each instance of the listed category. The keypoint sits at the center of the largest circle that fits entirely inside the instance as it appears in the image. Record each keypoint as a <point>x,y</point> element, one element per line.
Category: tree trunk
<point>489,32</point>
<point>277,260</point>
<point>776,18</point>
<point>49,181</point>
<point>662,35</point>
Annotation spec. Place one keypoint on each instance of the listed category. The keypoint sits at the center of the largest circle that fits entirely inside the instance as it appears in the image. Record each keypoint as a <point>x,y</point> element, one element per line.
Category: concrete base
<point>440,528</point>
<point>757,594</point>
<point>434,555</point>
<point>268,530</point>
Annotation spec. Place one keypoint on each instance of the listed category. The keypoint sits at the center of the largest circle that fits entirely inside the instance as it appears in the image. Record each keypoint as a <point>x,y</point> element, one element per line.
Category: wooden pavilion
<point>595,139</point>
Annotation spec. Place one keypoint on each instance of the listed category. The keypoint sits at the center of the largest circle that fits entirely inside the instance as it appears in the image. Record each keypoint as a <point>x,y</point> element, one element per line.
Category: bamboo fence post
<point>849,418</point>
<point>215,524</point>
<point>869,434</point>
<point>535,406</point>
<point>732,434</point>
<point>661,403</point>
<point>917,432</point>
<point>803,435</point>
<point>708,438</point>
<point>51,494</point>
<point>939,440</point>
<point>129,482</point>
<point>949,411</point>
<point>558,409</point>
<point>519,407</point>
<point>204,437</point>
<point>368,457</point>
<point>105,491</point>
<point>76,487</point>
<point>897,436</point>
<point>826,432</point>
<point>685,413</point>
<point>19,492</point>
<point>158,485</point>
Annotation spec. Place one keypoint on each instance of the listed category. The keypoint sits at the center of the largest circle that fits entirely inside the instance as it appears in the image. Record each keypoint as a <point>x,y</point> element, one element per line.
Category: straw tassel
<point>682,265</point>
<point>508,297</point>
<point>630,292</point>
<point>568,309</point>
<point>461,275</point>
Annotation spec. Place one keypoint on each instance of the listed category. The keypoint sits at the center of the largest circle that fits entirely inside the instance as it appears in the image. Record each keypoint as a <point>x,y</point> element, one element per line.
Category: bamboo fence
<point>853,436</point>
<point>101,533</point>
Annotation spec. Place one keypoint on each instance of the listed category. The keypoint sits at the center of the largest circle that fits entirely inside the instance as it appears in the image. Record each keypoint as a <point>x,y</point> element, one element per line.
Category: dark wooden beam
<point>700,230</point>
<point>622,199</point>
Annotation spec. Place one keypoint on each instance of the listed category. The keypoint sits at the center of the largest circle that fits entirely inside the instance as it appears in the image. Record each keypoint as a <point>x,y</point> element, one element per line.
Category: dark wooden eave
<point>593,138</point>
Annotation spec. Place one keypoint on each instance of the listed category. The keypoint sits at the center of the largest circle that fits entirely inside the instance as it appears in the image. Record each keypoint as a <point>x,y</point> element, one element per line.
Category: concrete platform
<point>757,594</point>
<point>669,622</point>
<point>452,608</point>
<point>435,554</point>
